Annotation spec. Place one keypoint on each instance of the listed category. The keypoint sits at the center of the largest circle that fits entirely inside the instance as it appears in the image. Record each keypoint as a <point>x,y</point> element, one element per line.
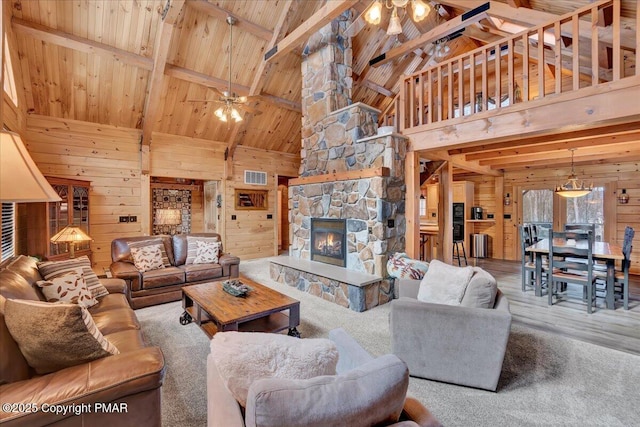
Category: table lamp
<point>21,181</point>
<point>71,235</point>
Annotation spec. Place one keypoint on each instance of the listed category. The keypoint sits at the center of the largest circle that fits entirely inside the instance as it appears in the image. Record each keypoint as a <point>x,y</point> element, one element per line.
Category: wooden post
<point>145,204</point>
<point>412,204</point>
<point>498,244</point>
<point>446,231</point>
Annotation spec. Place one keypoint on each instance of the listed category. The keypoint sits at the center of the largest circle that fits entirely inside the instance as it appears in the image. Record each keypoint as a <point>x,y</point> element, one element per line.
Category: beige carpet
<point>546,379</point>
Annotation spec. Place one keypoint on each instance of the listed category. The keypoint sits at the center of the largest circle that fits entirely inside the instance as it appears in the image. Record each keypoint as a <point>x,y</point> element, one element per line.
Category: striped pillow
<point>67,335</point>
<point>192,246</point>
<point>144,243</point>
<point>49,270</point>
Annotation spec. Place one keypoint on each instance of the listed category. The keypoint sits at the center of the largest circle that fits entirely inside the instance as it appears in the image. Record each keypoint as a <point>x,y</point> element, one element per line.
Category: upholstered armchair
<point>363,392</point>
<point>454,344</point>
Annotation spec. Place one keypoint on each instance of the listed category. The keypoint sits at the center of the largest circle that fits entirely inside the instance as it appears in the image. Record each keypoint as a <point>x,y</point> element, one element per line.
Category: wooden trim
<point>412,201</point>
<point>323,16</point>
<point>171,186</point>
<point>217,12</point>
<point>80,44</point>
<point>341,176</point>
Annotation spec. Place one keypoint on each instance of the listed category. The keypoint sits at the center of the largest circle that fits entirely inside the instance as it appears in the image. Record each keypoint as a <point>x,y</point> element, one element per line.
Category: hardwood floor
<point>617,329</point>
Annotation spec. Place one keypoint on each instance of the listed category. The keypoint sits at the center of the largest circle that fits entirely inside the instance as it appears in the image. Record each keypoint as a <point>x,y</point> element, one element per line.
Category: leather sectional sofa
<point>131,379</point>
<point>165,284</point>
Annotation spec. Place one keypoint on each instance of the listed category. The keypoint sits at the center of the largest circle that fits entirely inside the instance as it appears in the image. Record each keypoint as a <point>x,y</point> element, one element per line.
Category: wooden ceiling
<point>101,61</point>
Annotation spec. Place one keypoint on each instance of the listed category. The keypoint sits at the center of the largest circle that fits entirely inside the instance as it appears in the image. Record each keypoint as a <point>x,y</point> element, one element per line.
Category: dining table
<point>603,251</point>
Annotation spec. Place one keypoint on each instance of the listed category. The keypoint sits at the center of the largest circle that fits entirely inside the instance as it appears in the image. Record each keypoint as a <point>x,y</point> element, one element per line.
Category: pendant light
<point>572,188</point>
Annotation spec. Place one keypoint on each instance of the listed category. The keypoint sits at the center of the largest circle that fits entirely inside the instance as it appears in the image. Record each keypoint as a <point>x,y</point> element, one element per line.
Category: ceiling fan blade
<point>213,101</point>
<point>249,109</point>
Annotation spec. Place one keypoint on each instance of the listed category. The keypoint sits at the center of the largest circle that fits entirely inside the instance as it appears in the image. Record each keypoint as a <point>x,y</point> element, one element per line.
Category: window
<point>537,208</point>
<point>588,209</point>
<point>8,238</point>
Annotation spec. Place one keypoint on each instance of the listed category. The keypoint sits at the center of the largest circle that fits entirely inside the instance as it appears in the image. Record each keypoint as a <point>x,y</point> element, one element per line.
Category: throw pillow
<point>207,252</point>
<point>243,357</point>
<point>51,269</point>
<point>70,288</point>
<point>192,246</point>
<point>147,258</point>
<point>401,266</point>
<point>372,394</point>
<point>55,336</point>
<point>444,284</point>
<point>481,290</point>
<point>148,242</point>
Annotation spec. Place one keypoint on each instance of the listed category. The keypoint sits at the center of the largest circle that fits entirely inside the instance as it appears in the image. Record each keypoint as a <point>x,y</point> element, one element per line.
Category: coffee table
<point>261,310</point>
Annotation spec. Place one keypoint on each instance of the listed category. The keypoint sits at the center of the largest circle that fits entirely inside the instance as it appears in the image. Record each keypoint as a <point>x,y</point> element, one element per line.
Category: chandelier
<point>228,111</point>
<point>572,188</point>
<point>374,13</point>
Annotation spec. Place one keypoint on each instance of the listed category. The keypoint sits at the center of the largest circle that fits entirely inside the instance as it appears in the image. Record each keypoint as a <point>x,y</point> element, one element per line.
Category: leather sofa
<point>165,284</point>
<point>131,379</point>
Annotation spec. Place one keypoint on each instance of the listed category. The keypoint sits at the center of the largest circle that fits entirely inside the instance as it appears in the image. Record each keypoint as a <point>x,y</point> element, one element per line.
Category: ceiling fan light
<point>235,115</point>
<point>395,27</point>
<point>374,14</point>
<point>420,10</point>
<point>219,113</point>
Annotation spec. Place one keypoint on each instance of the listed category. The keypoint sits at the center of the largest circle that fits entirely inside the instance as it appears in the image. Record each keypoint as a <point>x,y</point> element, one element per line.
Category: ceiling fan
<point>230,101</point>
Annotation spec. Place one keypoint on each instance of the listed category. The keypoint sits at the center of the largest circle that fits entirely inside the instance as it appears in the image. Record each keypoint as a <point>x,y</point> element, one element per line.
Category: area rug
<point>546,379</point>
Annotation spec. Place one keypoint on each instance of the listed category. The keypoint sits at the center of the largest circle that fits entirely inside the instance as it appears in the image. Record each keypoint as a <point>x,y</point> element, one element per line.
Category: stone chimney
<point>341,138</point>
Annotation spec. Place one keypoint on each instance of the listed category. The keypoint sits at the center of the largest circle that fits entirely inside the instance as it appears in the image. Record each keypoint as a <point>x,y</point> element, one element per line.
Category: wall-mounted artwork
<point>252,199</point>
<point>167,203</point>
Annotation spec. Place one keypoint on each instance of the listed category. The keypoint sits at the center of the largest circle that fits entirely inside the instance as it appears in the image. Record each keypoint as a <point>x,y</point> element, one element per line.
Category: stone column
<point>326,77</point>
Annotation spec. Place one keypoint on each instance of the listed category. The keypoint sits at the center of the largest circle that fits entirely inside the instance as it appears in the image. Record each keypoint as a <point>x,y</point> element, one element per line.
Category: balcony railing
<point>581,49</point>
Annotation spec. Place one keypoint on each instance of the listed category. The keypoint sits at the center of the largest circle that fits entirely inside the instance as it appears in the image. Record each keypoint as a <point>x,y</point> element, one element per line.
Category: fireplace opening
<point>328,241</point>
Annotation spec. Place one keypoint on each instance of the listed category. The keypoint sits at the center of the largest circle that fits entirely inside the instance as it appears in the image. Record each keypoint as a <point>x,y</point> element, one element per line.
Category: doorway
<point>212,204</point>
<point>282,213</point>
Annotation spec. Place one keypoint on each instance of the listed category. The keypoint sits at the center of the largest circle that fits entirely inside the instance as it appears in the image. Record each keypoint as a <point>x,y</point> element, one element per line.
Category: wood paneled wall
<point>110,158</point>
<point>252,234</point>
<point>107,156</point>
<point>615,177</point>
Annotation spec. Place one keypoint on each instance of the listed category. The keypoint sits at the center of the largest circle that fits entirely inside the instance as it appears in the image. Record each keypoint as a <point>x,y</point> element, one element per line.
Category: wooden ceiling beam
<point>80,44</point>
<point>376,87</point>
<point>323,16</point>
<point>621,150</point>
<point>508,143</point>
<point>462,163</point>
<point>156,80</point>
<point>449,27</point>
<point>631,156</point>
<point>217,12</point>
<point>220,84</point>
<point>591,141</point>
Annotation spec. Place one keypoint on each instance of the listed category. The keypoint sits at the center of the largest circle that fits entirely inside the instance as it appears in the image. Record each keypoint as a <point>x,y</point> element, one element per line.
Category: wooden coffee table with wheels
<point>261,310</point>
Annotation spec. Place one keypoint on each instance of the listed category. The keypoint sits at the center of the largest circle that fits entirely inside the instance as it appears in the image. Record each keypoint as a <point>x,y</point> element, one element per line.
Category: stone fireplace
<point>348,172</point>
<point>328,241</point>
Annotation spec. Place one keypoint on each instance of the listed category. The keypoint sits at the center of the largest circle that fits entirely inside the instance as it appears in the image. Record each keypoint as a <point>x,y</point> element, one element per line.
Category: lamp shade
<point>20,179</point>
<point>71,233</point>
<point>168,216</point>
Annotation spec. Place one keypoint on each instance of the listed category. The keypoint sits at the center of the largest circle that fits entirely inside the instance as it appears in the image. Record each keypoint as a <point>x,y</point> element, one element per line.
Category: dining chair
<point>621,277</point>
<point>580,227</point>
<point>565,266</point>
<point>528,260</point>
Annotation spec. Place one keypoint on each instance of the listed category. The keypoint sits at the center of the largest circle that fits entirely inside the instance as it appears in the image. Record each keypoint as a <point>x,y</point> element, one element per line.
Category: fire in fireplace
<point>328,241</point>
